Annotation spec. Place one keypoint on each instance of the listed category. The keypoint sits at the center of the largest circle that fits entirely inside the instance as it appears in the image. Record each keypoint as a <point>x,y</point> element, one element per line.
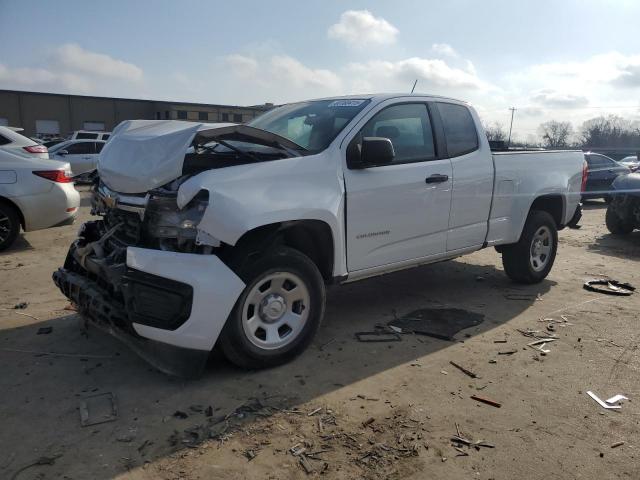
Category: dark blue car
<point>602,172</point>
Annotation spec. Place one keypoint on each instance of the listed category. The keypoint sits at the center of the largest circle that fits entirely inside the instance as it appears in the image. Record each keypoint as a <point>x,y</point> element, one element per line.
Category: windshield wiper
<point>231,147</point>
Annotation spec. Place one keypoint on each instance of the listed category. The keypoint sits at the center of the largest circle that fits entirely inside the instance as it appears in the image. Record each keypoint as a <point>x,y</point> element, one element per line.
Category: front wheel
<point>530,260</point>
<point>278,312</point>
<point>615,224</point>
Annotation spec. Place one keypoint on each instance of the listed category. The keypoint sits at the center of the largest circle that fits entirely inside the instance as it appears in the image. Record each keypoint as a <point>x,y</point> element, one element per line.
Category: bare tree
<point>611,131</point>
<point>555,134</point>
<point>495,132</point>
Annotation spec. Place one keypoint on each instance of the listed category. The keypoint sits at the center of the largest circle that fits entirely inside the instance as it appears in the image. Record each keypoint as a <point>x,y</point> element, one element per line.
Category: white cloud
<point>359,28</point>
<point>552,98</point>
<point>70,68</point>
<point>288,69</point>
<point>444,49</point>
<point>75,58</point>
<point>242,65</point>
<point>431,73</point>
<point>24,78</point>
<point>277,78</point>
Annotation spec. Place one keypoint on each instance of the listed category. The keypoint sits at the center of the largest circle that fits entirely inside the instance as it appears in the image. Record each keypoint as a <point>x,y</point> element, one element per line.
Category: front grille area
<point>130,230</point>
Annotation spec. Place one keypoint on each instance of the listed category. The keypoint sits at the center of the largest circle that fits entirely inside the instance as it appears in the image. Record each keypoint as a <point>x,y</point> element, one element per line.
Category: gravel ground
<point>350,409</point>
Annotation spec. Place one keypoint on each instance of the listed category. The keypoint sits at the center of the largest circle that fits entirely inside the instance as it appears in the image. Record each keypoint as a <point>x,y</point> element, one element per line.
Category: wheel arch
<point>554,205</point>
<point>314,238</point>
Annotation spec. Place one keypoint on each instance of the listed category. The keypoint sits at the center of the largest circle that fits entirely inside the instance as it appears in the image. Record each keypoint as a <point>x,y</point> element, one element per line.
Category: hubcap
<point>540,251</point>
<point>276,310</point>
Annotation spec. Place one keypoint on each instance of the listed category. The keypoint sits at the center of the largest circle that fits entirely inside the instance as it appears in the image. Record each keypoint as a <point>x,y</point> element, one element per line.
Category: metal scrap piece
<point>602,403</point>
<point>616,399</point>
<point>609,287</point>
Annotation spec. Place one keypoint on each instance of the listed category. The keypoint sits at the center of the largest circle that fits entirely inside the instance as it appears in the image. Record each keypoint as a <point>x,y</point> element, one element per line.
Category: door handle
<point>436,178</point>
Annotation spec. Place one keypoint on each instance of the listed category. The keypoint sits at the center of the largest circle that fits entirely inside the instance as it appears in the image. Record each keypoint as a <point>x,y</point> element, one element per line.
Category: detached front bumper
<point>169,307</point>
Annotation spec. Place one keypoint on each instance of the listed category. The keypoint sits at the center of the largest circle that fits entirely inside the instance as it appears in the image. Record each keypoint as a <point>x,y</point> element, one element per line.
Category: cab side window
<point>459,129</point>
<point>408,127</point>
<point>80,148</point>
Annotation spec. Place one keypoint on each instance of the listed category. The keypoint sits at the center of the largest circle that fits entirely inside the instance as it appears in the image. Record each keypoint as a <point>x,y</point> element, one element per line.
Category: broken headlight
<point>165,221</point>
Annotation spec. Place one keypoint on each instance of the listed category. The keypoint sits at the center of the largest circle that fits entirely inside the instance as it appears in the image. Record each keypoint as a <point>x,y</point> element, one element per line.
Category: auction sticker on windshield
<point>346,103</point>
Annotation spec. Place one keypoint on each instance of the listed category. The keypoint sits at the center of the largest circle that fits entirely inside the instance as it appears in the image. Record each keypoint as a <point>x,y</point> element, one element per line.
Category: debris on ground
<point>180,414</point>
<point>488,401</point>
<point>40,461</point>
<point>20,306</point>
<point>100,408</point>
<point>44,330</point>
<point>378,336</point>
<point>617,444</point>
<point>464,370</point>
<point>610,403</point>
<point>441,323</point>
<point>459,441</point>
<point>326,344</point>
<point>609,287</point>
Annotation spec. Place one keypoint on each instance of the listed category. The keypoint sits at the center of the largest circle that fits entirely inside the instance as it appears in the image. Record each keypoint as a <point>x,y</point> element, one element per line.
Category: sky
<point>565,60</point>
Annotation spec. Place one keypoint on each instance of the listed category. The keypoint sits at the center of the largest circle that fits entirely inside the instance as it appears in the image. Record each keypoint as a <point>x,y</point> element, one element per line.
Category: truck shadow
<point>42,393</point>
<point>620,246</point>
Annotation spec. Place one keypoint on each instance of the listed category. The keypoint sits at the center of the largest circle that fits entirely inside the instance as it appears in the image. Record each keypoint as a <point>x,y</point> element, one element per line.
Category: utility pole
<point>513,110</point>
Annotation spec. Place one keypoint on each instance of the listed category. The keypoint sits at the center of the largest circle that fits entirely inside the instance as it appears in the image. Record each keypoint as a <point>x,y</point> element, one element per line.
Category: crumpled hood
<point>145,154</point>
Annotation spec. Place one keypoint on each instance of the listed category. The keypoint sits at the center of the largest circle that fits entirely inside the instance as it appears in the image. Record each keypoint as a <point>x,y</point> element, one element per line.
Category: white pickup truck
<point>233,242</point>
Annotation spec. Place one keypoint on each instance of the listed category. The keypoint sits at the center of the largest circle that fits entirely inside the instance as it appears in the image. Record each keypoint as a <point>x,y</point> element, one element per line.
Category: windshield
<point>312,125</point>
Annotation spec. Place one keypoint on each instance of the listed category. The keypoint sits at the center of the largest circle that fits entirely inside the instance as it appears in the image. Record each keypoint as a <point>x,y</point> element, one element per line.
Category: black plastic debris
<point>609,287</point>
<point>442,323</point>
<point>377,336</point>
<point>20,306</point>
<point>44,330</point>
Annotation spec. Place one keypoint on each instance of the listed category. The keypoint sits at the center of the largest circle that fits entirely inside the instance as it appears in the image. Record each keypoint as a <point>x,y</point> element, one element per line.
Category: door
<point>400,211</point>
<point>472,166</point>
<point>81,156</point>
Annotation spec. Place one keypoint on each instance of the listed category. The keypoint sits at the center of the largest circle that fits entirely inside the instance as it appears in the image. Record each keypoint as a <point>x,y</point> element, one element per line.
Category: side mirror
<point>63,152</point>
<point>376,151</point>
<point>369,152</point>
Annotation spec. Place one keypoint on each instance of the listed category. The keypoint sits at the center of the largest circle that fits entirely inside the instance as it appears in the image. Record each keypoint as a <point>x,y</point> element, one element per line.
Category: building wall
<point>31,111</point>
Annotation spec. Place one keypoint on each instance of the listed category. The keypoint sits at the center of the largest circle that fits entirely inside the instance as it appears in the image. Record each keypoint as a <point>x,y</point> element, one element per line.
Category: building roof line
<point>192,104</point>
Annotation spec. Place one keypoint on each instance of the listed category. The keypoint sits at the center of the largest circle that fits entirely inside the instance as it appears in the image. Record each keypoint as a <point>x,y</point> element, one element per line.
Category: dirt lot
<point>547,427</point>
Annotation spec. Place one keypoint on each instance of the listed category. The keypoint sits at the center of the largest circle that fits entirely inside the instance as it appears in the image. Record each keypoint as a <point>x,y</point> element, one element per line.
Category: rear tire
<point>615,224</point>
<point>530,260</point>
<point>9,225</point>
<point>278,313</point>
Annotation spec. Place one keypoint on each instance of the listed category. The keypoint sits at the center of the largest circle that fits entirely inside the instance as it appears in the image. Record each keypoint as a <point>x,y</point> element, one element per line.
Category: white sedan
<point>82,155</point>
<point>34,194</point>
<point>11,139</point>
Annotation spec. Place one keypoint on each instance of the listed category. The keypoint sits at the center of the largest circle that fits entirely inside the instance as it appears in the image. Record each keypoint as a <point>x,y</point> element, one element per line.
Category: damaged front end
<point>146,274</point>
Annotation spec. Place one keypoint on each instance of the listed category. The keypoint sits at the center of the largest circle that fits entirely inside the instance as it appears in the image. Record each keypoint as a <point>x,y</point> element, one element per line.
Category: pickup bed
<point>233,242</point>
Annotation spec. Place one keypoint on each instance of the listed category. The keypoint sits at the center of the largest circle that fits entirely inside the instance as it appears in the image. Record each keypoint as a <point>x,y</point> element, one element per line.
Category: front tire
<point>9,225</point>
<point>278,313</point>
<point>615,224</point>
<point>530,260</point>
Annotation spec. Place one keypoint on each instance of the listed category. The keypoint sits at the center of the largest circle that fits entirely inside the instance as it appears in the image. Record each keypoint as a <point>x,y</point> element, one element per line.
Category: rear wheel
<point>616,224</point>
<point>279,311</point>
<point>530,260</point>
<point>9,225</point>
